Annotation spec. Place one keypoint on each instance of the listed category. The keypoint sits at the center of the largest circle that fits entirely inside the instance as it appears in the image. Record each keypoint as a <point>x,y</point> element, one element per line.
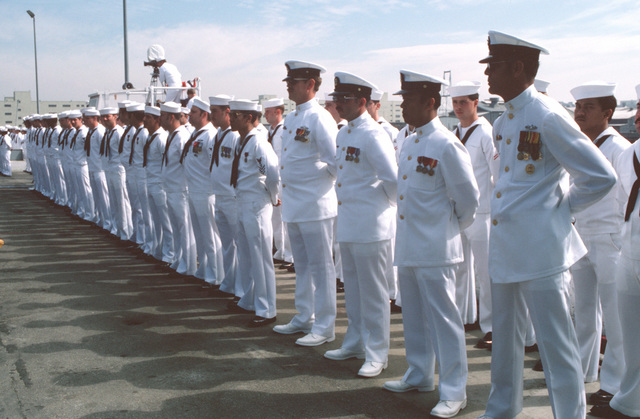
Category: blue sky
<point>239,47</point>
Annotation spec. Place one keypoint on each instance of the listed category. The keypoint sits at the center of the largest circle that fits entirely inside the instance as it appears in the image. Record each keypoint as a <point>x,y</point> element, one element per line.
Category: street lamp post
<point>35,54</point>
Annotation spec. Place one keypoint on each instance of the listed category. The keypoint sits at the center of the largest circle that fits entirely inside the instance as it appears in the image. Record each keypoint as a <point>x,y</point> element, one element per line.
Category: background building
<point>16,107</point>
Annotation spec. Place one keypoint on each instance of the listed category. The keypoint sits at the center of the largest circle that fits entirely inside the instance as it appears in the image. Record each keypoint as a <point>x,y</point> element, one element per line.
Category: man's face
<point>196,115</point>
<point>271,115</point>
<point>218,115</point>
<point>347,107</point>
<point>76,122</point>
<point>149,122</point>
<point>123,116</point>
<point>464,107</point>
<point>64,123</point>
<point>165,120</point>
<point>589,115</point>
<point>297,89</point>
<point>237,119</point>
<point>412,109</point>
<point>498,76</point>
<point>109,121</point>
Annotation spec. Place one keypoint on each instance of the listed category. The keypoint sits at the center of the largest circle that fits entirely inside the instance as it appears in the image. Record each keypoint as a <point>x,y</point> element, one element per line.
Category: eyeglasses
<point>294,80</point>
<point>236,114</point>
<point>343,99</point>
<point>489,64</point>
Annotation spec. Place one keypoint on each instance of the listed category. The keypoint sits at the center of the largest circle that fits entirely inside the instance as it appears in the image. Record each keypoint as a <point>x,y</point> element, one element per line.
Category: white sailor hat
<point>273,103</point>
<point>503,47</point>
<point>3,129</point>
<point>152,110</point>
<point>376,95</point>
<point>220,100</point>
<point>243,105</point>
<point>593,89</point>
<point>184,110</point>
<point>170,107</point>
<point>50,116</point>
<point>541,85</point>
<point>36,117</point>
<point>91,112</point>
<point>638,91</point>
<point>412,82</point>
<point>135,107</point>
<point>108,111</point>
<point>155,53</point>
<point>124,104</point>
<point>201,104</point>
<point>302,70</point>
<point>464,88</point>
<point>74,114</point>
<point>345,84</point>
<point>63,114</point>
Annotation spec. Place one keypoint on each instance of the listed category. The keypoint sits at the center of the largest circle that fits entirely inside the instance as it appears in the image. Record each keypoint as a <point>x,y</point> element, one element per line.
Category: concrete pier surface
<point>89,330</point>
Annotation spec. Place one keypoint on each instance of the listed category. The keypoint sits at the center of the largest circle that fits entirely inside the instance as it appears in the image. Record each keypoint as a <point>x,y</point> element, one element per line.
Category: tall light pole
<point>127,84</point>
<point>35,54</point>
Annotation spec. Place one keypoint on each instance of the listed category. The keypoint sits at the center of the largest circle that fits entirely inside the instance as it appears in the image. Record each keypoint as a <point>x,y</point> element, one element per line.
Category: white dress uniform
<point>596,297</point>
<point>55,166</point>
<point>5,154</point>
<point>86,205</point>
<point>226,208</point>
<point>309,208</point>
<point>366,189</point>
<point>437,198</point>
<point>136,158</point>
<point>66,159</point>
<point>281,240</point>
<point>533,244</point>
<point>627,399</point>
<point>175,185</point>
<point>257,192</point>
<point>475,238</point>
<point>137,222</point>
<point>158,207</point>
<point>116,176</point>
<point>196,159</point>
<point>97,176</point>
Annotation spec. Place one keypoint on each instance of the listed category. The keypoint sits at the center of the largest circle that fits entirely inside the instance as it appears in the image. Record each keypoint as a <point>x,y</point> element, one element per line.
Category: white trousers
<point>120,206</point>
<point>136,210</point>
<point>86,205</point>
<point>433,330</point>
<point>548,302</point>
<point>627,400</point>
<point>184,244</point>
<point>208,245</point>
<point>57,177</point>
<point>596,297</point>
<point>163,233</point>
<point>5,161</point>
<point>315,295</point>
<point>143,199</point>
<point>255,241</point>
<point>280,237</point>
<point>226,213</point>
<point>365,267</point>
<point>101,198</point>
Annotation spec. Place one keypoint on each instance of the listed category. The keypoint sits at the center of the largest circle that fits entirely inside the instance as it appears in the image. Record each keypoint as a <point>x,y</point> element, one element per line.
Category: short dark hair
<point>473,97</point>
<point>608,102</point>
<point>318,80</point>
<point>425,96</point>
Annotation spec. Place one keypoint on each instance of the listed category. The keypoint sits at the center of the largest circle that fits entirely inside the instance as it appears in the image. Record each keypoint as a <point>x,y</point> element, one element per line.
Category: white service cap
<point>348,84</point>
<point>412,82</point>
<point>503,46</point>
<point>593,89</point>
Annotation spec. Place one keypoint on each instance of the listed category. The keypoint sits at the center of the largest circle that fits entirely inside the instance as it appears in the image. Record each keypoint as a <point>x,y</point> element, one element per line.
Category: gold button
<point>506,168</point>
<point>341,166</point>
<point>508,140</point>
<point>498,195</point>
<point>401,197</point>
<point>284,186</point>
<point>510,116</point>
<point>404,177</point>
<point>417,141</point>
<point>296,113</point>
<point>498,137</point>
<point>339,185</point>
<point>285,149</point>
<point>339,202</point>
<point>342,148</point>
<point>289,131</point>
<point>348,131</point>
<point>402,217</point>
<point>495,222</point>
<point>281,167</point>
<point>409,158</point>
<point>420,132</point>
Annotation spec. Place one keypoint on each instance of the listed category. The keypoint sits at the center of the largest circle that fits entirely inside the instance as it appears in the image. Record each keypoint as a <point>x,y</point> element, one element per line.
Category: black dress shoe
<point>532,348</point>
<point>285,265</point>
<point>258,321</point>
<point>291,268</point>
<point>485,342</point>
<point>235,308</point>
<point>339,286</point>
<point>471,327</point>
<point>600,397</point>
<point>395,308</point>
<point>538,367</point>
<point>606,411</point>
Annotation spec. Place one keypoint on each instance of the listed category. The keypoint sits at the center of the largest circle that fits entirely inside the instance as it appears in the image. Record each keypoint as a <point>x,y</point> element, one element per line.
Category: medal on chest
<point>302,134</point>
<point>353,154</point>
<point>426,165</point>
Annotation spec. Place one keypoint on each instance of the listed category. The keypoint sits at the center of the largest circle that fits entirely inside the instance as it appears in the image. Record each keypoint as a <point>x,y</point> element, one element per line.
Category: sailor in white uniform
<point>366,188</point>
<point>5,152</point>
<point>599,226</point>
<point>309,204</point>
<point>533,241</point>
<point>169,75</point>
<point>437,199</point>
<point>86,204</point>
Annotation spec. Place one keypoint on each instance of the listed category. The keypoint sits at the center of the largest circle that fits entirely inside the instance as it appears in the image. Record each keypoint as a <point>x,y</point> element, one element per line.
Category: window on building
<point>52,105</point>
<point>8,122</point>
<point>7,105</point>
<point>8,113</point>
<point>66,105</point>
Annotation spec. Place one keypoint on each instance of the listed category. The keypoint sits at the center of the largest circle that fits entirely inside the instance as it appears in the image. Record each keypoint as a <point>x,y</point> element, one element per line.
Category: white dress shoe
<point>448,408</point>
<point>342,354</point>
<point>372,368</point>
<point>402,387</point>
<point>313,340</point>
<point>289,329</point>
